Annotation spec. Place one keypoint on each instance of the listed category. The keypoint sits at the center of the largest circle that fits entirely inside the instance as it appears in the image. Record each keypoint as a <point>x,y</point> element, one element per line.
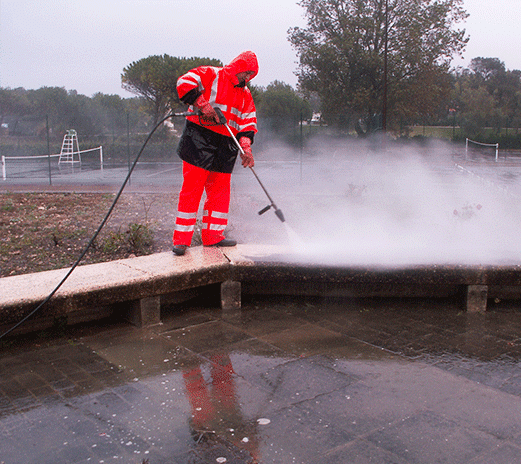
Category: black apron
<point>207,149</point>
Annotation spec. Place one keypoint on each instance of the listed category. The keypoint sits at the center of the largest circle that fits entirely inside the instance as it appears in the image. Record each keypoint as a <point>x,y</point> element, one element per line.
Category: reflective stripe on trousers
<point>185,222</point>
<point>215,218</point>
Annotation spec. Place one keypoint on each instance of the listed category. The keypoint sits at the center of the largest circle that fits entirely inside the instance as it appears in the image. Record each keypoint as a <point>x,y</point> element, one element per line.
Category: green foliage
<point>282,107</point>
<point>27,113</point>
<point>140,237</point>
<point>112,111</point>
<point>478,109</point>
<point>342,53</point>
<point>486,95</point>
<point>7,206</point>
<point>154,78</point>
<point>12,102</point>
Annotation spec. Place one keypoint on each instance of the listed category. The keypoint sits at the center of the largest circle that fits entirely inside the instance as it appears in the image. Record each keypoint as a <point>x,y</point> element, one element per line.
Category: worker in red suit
<point>207,149</point>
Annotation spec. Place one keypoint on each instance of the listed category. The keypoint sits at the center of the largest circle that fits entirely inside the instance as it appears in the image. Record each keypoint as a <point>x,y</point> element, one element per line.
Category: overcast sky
<point>84,45</point>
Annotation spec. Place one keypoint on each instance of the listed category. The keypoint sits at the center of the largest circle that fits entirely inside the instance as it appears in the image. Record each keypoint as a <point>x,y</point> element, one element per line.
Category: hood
<point>246,61</point>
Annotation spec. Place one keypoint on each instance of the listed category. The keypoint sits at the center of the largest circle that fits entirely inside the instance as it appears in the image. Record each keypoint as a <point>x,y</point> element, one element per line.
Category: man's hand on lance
<point>247,157</point>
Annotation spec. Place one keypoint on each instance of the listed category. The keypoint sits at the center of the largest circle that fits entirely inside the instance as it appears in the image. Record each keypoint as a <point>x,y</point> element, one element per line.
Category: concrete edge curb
<point>144,283</point>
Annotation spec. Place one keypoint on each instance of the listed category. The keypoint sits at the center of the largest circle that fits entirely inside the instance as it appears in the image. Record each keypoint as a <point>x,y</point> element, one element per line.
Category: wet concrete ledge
<point>138,287</point>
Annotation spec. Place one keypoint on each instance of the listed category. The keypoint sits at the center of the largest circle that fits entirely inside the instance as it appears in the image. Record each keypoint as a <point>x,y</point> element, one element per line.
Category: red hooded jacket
<point>220,87</point>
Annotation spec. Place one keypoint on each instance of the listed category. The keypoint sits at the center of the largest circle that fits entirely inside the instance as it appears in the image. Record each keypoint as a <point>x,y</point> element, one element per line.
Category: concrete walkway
<point>94,291</point>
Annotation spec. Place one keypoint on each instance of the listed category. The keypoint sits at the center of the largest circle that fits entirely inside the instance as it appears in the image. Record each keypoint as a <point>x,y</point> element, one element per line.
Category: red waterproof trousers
<point>216,207</point>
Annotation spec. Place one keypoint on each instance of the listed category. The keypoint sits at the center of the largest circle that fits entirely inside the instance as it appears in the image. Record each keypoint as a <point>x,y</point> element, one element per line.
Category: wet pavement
<point>287,380</point>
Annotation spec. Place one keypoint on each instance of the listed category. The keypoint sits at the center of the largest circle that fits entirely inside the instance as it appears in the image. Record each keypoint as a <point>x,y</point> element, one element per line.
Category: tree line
<point>33,112</point>
<point>486,95</point>
<point>152,79</point>
<point>362,65</point>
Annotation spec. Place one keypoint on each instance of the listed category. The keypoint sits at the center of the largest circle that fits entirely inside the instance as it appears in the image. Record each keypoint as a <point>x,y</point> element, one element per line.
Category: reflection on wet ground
<point>287,381</point>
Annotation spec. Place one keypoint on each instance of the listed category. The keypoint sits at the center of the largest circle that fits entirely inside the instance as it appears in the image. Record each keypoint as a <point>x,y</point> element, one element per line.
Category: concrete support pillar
<point>230,298</point>
<point>476,298</point>
<point>145,312</point>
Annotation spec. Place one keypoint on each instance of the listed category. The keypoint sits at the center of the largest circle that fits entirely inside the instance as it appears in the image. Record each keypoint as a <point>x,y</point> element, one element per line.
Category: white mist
<point>353,205</point>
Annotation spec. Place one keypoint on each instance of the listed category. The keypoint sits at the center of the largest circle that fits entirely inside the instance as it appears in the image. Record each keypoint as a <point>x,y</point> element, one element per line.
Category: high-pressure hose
<point>223,121</point>
<point>103,222</point>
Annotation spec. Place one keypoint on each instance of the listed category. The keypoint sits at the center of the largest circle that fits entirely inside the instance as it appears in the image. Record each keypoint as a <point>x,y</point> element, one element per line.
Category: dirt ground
<point>42,231</point>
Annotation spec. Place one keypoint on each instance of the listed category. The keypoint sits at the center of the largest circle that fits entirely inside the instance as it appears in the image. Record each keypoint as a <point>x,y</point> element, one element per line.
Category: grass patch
<point>43,231</point>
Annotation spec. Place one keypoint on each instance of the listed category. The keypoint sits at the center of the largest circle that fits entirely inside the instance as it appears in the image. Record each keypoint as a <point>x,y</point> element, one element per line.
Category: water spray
<point>278,212</point>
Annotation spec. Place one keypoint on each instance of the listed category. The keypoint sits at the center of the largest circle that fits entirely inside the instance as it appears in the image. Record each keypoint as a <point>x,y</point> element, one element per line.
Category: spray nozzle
<point>278,212</point>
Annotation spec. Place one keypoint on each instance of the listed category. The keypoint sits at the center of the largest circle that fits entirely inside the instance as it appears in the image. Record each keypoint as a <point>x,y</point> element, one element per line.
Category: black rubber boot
<point>179,250</point>
<point>225,242</point>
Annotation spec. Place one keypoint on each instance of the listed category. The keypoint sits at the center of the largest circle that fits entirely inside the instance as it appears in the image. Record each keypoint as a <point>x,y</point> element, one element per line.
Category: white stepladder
<point>70,148</point>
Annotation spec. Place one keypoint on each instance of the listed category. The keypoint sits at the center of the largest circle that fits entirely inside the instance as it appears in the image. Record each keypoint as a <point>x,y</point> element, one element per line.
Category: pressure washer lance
<point>278,212</point>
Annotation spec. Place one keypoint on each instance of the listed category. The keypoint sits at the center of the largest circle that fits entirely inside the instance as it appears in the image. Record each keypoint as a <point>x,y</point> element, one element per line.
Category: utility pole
<point>386,40</point>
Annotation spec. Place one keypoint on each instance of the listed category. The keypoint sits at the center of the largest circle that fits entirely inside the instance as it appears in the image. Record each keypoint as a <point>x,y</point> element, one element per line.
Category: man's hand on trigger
<point>207,112</point>
<point>247,157</point>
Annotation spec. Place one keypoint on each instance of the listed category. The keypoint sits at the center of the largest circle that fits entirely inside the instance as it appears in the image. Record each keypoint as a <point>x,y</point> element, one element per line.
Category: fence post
<point>101,157</point>
<point>466,147</point>
<point>497,151</point>
<point>49,163</point>
<point>48,148</point>
<point>4,173</point>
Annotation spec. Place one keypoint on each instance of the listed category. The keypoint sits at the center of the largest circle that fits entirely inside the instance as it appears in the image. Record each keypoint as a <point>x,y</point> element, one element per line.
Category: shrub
<point>137,239</point>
